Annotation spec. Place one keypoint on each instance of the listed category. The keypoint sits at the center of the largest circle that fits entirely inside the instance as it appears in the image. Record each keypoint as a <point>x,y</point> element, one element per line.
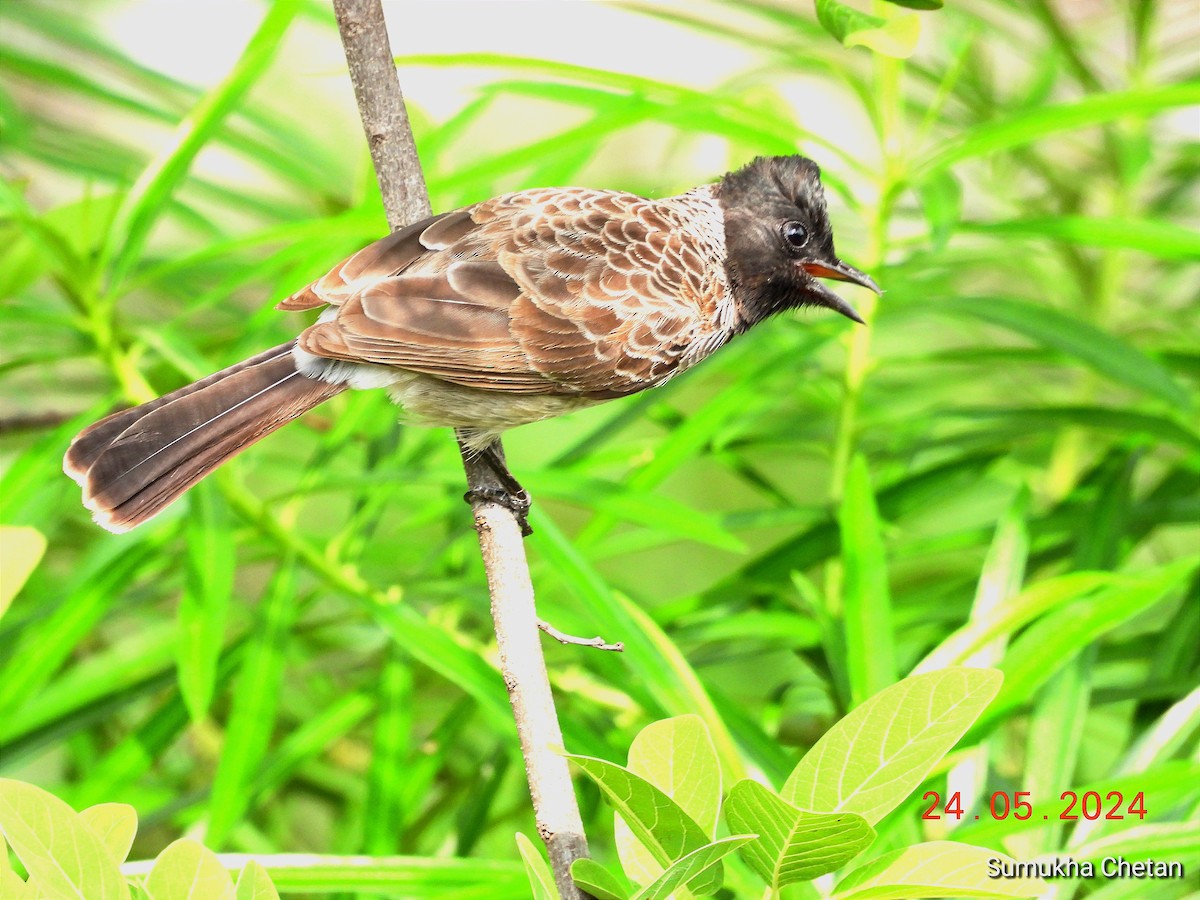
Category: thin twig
<point>562,637</point>
<point>385,121</point>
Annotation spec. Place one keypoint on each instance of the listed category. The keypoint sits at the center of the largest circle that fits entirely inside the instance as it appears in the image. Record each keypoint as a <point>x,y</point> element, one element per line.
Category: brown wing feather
<point>555,292</point>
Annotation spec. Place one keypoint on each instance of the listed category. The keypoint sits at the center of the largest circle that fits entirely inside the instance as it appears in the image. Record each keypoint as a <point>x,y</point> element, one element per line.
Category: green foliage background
<point>299,657</point>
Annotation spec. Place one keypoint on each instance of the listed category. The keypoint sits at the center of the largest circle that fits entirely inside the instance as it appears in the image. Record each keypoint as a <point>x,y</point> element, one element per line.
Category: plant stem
<point>389,135</point>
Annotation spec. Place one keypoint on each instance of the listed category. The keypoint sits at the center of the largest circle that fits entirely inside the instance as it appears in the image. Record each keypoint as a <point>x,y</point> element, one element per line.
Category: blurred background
<point>1001,469</point>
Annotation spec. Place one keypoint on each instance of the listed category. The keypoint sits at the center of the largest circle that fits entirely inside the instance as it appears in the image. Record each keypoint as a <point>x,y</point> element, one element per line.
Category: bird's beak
<point>838,271</point>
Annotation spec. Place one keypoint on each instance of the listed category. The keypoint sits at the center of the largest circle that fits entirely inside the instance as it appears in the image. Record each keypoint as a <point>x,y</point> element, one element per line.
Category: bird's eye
<point>794,234</point>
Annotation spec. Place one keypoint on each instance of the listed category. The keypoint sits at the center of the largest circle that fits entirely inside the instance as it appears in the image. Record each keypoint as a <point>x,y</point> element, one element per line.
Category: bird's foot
<point>516,501</point>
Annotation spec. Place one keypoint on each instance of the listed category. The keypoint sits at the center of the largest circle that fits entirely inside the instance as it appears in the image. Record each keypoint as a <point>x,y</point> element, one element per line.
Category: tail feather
<point>94,440</point>
<point>135,463</point>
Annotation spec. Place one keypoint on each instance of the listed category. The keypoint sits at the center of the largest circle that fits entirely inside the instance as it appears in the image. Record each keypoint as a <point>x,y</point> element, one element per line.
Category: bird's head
<point>778,241</point>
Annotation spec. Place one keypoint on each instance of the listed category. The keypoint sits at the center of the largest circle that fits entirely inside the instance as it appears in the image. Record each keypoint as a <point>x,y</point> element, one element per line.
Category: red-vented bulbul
<point>515,309</point>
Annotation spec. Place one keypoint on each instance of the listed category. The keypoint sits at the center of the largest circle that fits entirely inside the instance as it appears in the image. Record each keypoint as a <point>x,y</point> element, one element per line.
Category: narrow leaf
<point>1100,350</point>
<point>870,655</point>
<point>793,845</point>
<point>1028,126</point>
<point>871,760</point>
<point>1165,240</point>
<point>208,585</point>
<point>255,697</point>
<point>936,869</point>
<point>155,186</point>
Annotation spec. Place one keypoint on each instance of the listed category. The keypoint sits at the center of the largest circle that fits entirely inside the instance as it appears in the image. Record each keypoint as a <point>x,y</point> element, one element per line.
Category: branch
<point>385,122</point>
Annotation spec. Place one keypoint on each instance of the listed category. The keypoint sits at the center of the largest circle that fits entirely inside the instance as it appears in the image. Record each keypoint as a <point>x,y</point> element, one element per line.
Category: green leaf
<point>254,883</point>
<point>871,760</point>
<point>208,585</point>
<point>1014,613</point>
<point>1100,350</point>
<point>676,756</point>
<point>793,845</point>
<point>187,870</point>
<point>919,4</point>
<point>60,852</point>
<point>21,549</point>
<point>596,880</point>
<point>940,194</point>
<point>1165,240</point>
<point>1028,126</point>
<point>935,869</point>
<point>255,699</point>
<point>541,879</point>
<point>656,820</point>
<point>895,37</point>
<point>1045,647</point>
<point>152,191</point>
<point>115,824</point>
<point>12,885</point>
<point>691,867</point>
<point>870,655</point>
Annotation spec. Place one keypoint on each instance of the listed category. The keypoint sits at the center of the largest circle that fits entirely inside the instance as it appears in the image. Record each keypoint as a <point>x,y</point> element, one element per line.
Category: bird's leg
<point>508,492</point>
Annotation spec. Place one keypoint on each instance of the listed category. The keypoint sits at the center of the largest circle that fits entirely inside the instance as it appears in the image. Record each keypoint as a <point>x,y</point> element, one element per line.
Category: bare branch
<point>385,122</point>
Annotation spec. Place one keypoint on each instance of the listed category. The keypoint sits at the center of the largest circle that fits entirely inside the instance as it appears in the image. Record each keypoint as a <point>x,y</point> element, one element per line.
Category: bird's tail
<point>136,462</point>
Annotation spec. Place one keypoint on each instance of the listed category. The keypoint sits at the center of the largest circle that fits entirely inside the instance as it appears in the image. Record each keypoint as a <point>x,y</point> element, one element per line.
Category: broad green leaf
<point>870,656</point>
<point>115,824</point>
<point>596,880</point>
<point>655,819</point>
<point>208,584</point>
<point>541,879</point>
<point>691,867</point>
<point>891,37</point>
<point>187,870</point>
<point>60,852</point>
<point>21,548</point>
<point>793,845</point>
<point>1098,349</point>
<point>935,869</point>
<point>871,760</point>
<point>919,4</point>
<point>255,884</point>
<point>676,756</point>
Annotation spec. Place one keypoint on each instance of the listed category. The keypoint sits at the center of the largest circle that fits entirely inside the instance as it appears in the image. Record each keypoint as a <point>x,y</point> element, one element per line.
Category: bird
<point>515,309</point>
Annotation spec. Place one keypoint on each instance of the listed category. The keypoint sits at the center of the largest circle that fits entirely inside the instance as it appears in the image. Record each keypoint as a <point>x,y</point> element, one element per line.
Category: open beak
<point>838,271</point>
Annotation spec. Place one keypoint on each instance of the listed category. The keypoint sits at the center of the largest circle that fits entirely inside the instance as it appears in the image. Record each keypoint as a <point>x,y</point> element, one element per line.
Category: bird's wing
<point>557,291</point>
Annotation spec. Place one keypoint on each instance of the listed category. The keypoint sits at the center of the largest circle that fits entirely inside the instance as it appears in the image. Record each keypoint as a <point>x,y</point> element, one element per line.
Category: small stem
<point>563,638</point>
